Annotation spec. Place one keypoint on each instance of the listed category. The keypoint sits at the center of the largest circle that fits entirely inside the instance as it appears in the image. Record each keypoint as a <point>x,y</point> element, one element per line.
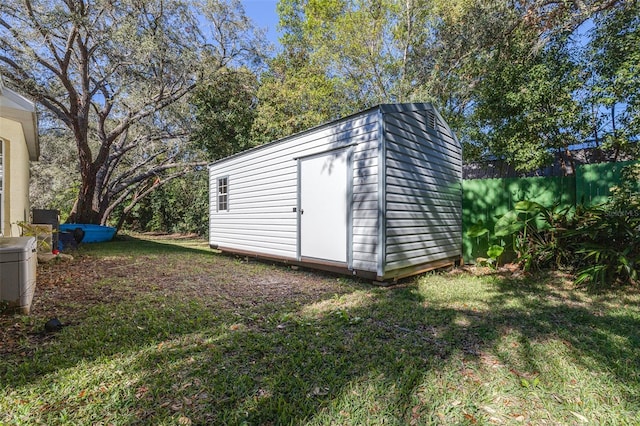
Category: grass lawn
<point>168,332</point>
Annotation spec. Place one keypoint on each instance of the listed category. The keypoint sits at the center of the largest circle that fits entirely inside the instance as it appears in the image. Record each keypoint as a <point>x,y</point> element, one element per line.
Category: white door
<point>324,207</point>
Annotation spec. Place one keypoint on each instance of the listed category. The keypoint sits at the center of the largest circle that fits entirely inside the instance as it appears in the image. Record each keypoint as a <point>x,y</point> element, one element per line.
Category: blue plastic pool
<point>92,233</point>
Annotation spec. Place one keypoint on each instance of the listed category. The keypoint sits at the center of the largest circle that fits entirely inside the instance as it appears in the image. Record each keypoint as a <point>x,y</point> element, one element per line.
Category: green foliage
<point>225,108</point>
<point>294,95</point>
<point>494,251</point>
<point>180,206</point>
<point>116,77</point>
<point>537,241</point>
<point>509,224</point>
<point>338,57</point>
<point>533,232</point>
<point>55,179</point>
<point>607,237</point>
<point>626,195</point>
<point>601,243</point>
<point>477,230</point>
<point>607,245</point>
<point>614,59</point>
<point>525,106</point>
<point>362,42</point>
<point>518,83</point>
<point>34,230</point>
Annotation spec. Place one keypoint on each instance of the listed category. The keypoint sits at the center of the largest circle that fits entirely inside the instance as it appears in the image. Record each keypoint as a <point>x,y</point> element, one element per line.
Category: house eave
<point>18,108</point>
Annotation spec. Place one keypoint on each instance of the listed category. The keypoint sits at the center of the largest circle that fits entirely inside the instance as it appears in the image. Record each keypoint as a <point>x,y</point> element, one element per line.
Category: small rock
<point>53,325</point>
<point>49,257</point>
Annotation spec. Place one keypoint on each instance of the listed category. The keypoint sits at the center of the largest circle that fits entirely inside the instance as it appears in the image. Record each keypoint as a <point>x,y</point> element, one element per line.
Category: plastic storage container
<point>18,262</point>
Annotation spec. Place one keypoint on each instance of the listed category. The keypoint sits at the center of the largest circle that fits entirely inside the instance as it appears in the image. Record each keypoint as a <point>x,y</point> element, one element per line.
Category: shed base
<point>335,267</point>
<point>398,274</point>
<point>341,268</point>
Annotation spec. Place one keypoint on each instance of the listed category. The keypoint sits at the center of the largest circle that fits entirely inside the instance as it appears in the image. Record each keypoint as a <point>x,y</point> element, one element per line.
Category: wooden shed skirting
<point>341,268</point>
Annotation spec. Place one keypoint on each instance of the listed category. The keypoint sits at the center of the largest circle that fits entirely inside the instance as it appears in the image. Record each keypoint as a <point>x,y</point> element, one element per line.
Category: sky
<point>263,14</point>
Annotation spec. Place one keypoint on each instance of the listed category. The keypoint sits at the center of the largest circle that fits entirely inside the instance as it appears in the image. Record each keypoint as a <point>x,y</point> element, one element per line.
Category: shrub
<point>535,232</point>
<point>601,243</point>
<point>607,237</point>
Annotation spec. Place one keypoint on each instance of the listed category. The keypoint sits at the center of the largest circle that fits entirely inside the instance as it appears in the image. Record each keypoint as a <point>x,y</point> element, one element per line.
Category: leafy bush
<point>534,231</point>
<point>182,206</point>
<point>601,243</point>
<point>35,230</point>
<point>608,248</point>
<point>493,252</point>
<point>607,237</point>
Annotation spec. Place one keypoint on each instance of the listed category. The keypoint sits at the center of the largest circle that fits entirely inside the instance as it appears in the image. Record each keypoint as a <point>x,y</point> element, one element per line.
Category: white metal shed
<point>376,194</point>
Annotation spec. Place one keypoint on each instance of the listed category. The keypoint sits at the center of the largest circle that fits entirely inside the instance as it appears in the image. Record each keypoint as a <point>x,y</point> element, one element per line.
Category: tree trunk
<point>72,59</point>
<point>572,163</point>
<point>85,208</point>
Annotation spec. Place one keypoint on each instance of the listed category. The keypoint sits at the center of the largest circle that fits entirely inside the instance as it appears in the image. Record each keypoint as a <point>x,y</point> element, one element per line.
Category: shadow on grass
<point>602,334</point>
<point>216,365</point>
<point>123,245</point>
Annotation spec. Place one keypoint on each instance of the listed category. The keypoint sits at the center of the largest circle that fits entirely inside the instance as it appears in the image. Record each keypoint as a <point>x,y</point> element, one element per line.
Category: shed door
<point>324,207</point>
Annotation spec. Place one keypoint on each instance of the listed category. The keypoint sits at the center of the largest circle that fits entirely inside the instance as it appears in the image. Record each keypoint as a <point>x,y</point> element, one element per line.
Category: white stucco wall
<point>16,177</point>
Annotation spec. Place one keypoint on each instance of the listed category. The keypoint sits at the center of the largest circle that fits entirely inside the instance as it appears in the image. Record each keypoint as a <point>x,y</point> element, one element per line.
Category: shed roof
<point>383,108</point>
<point>15,107</point>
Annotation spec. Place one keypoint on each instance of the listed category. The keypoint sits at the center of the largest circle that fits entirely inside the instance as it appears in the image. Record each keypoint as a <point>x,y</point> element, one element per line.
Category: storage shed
<point>376,194</point>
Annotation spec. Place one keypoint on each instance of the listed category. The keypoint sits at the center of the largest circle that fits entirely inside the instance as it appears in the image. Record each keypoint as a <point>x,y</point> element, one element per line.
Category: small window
<point>223,194</point>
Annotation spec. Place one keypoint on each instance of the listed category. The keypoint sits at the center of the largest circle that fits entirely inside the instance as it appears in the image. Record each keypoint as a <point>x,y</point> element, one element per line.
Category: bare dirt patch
<point>67,290</point>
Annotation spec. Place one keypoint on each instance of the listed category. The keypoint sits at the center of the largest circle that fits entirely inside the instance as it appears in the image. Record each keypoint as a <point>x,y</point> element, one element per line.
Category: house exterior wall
<point>15,177</point>
<point>263,191</point>
<point>423,190</point>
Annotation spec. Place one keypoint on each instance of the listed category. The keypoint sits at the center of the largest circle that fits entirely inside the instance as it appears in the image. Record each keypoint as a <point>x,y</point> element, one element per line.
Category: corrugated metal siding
<point>263,190</point>
<point>423,191</point>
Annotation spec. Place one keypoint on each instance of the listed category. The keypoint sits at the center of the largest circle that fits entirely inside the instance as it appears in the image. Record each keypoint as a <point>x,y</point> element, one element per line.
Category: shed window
<point>223,194</point>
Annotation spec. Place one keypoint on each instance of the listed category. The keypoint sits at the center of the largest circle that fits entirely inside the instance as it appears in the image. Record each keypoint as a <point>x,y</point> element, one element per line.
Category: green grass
<point>441,349</point>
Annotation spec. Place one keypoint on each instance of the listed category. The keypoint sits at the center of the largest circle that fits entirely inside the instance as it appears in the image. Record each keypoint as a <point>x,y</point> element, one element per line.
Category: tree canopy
<point>147,91</point>
<point>115,76</point>
<point>517,80</point>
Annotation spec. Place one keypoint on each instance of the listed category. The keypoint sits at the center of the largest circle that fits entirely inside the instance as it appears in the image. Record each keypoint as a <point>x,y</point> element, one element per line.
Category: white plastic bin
<point>18,262</point>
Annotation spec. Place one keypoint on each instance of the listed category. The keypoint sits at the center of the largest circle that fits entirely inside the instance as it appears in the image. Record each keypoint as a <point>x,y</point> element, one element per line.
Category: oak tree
<point>115,74</point>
